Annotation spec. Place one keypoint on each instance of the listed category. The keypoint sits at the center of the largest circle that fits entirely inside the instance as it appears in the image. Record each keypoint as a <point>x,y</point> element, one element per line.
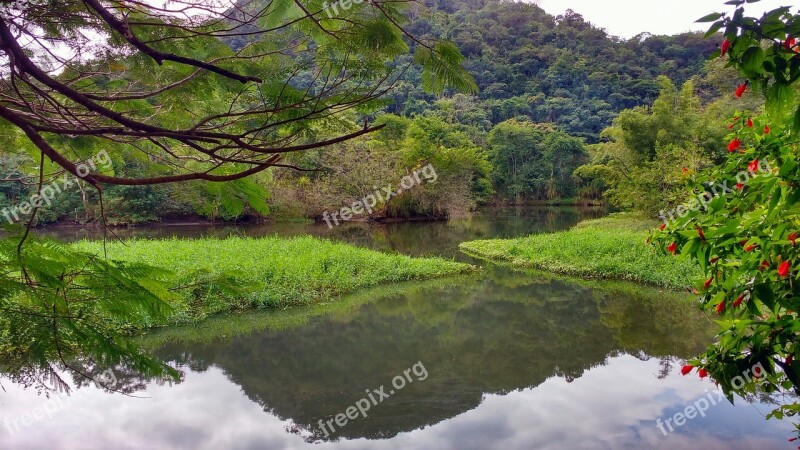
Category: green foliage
<point>763,52</point>
<point>80,203</point>
<point>57,303</point>
<point>239,87</point>
<point>461,164</point>
<point>550,69</point>
<point>648,152</point>
<point>442,67</point>
<point>282,272</point>
<point>746,242</point>
<point>609,248</point>
<point>534,161</point>
<point>71,307</point>
<point>528,65</point>
<point>230,200</point>
<point>360,167</point>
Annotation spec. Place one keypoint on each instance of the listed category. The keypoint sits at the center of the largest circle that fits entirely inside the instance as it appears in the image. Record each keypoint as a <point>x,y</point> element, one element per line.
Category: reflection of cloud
<point>609,407</point>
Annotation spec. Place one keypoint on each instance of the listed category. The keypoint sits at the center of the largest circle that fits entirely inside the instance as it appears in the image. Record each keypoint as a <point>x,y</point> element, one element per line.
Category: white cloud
<point>627,18</point>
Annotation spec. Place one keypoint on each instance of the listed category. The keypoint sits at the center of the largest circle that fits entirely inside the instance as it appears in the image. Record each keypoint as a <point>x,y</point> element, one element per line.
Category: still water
<point>499,360</point>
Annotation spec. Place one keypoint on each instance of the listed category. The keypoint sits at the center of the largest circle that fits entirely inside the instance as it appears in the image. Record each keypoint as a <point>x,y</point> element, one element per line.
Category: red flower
<point>708,283</point>
<point>753,166</point>
<point>713,260</point>
<point>734,145</point>
<point>783,269</point>
<point>789,43</point>
<point>726,45</point>
<point>764,265</point>
<point>767,129</point>
<point>703,373</point>
<point>685,170</point>
<point>738,301</point>
<point>750,248</point>
<point>749,123</point>
<point>672,248</point>
<point>686,370</point>
<point>721,307</point>
<point>662,227</point>
<point>741,90</point>
<point>739,186</point>
<point>701,234</point>
<point>793,238</point>
<point>789,360</point>
<point>730,127</point>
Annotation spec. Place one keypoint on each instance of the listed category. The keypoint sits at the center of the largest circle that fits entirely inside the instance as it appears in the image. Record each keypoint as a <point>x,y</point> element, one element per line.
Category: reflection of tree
<point>488,336</point>
<point>49,378</point>
<point>681,329</point>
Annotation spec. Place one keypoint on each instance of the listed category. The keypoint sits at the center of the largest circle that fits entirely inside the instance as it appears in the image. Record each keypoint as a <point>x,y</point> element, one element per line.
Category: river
<point>498,360</point>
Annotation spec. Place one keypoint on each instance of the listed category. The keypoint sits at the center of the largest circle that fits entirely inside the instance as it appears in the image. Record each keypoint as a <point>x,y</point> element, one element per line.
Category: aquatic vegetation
<point>609,248</point>
<point>267,272</point>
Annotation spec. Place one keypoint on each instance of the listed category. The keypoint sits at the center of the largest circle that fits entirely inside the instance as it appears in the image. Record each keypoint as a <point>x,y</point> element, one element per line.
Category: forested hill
<point>558,69</point>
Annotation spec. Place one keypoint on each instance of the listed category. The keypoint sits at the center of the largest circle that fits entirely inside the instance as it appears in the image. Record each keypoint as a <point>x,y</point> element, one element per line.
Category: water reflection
<point>491,336</point>
<point>514,361</point>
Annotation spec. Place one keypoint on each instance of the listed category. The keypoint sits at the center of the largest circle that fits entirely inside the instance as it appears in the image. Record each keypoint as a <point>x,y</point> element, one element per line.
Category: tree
<point>534,161</point>
<point>252,102</point>
<point>745,238</point>
<point>647,153</point>
<point>558,70</point>
<point>195,91</point>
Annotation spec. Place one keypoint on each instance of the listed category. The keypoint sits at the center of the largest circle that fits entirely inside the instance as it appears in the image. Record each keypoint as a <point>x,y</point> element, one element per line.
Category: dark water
<point>501,360</point>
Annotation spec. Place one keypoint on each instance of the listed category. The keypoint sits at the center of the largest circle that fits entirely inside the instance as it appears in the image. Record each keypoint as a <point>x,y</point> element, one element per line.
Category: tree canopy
<point>81,76</point>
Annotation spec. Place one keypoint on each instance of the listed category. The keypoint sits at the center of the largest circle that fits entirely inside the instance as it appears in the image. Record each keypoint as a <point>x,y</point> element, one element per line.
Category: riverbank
<point>609,248</point>
<point>269,272</point>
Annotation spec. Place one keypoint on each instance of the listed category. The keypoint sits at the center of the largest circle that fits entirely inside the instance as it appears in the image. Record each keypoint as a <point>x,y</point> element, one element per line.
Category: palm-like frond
<point>442,68</point>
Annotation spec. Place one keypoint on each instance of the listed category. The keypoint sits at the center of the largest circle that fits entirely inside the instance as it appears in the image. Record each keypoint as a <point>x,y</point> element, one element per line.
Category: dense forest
<point>550,88</point>
<point>553,69</point>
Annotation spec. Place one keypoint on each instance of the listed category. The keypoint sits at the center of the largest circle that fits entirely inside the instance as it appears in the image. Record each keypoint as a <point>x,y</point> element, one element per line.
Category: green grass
<point>280,272</point>
<point>609,248</point>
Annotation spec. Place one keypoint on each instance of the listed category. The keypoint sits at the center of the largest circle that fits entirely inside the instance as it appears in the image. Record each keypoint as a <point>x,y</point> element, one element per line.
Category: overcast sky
<point>627,18</point>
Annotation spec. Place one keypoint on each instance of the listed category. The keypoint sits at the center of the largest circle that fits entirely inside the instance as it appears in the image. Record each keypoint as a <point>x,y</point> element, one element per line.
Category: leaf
<point>279,12</point>
<point>380,35</point>
<point>714,28</point>
<point>753,61</point>
<point>710,18</point>
<point>780,100</point>
<point>788,168</point>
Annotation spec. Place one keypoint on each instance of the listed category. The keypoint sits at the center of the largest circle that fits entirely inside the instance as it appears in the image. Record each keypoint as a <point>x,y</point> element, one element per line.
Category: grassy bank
<point>609,248</point>
<point>277,272</point>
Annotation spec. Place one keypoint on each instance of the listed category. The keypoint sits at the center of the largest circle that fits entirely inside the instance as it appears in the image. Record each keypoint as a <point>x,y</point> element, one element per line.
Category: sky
<point>627,18</point>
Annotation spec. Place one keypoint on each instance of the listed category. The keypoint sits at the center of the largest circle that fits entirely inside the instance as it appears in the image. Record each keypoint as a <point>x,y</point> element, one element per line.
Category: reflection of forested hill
<point>490,336</point>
